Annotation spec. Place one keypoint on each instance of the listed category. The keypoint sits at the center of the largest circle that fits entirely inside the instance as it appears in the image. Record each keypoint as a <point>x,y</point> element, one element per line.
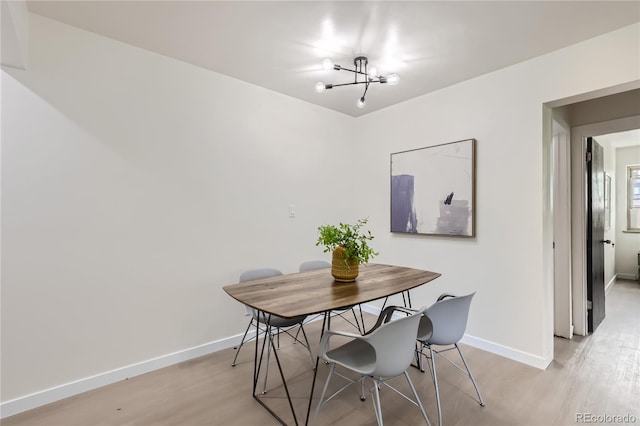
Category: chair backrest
<point>314,264</point>
<point>394,344</point>
<point>256,274</point>
<point>449,319</point>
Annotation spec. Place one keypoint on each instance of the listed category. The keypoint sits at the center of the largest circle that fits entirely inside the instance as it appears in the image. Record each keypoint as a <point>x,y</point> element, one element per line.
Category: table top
<point>311,292</point>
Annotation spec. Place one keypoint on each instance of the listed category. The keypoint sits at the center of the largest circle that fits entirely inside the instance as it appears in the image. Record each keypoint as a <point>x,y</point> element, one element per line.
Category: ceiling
<point>621,139</point>
<point>279,45</point>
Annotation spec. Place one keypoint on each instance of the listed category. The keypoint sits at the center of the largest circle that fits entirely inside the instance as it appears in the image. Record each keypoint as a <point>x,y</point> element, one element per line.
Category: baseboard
<point>610,283</point>
<point>631,277</point>
<point>47,396</point>
<point>541,362</point>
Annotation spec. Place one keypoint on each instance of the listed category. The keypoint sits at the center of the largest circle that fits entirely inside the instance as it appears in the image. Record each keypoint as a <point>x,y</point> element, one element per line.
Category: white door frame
<point>579,210</point>
<point>561,210</point>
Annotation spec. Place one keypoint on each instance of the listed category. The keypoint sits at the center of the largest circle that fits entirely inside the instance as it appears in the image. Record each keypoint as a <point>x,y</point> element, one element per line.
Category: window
<point>633,198</point>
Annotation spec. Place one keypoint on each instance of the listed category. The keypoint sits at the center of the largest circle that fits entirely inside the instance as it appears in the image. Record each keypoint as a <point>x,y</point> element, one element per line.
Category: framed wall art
<point>433,190</point>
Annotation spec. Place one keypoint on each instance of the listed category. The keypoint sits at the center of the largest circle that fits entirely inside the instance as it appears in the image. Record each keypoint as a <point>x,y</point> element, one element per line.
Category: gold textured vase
<point>343,271</point>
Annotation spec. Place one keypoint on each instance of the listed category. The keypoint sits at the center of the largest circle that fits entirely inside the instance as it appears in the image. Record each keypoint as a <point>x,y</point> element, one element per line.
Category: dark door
<point>595,235</point>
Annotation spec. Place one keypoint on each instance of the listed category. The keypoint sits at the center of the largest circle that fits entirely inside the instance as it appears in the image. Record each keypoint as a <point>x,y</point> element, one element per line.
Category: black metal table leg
<point>257,364</point>
<point>315,370</point>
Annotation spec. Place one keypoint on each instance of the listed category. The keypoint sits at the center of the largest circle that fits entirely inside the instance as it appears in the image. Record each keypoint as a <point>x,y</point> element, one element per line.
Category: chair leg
<point>233,364</point>
<point>376,402</point>
<point>417,398</point>
<point>306,321</point>
<point>435,384</point>
<point>324,391</point>
<point>304,334</point>
<point>419,355</point>
<point>464,361</point>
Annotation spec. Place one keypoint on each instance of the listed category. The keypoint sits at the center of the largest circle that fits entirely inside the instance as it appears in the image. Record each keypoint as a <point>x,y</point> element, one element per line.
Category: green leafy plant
<point>352,238</point>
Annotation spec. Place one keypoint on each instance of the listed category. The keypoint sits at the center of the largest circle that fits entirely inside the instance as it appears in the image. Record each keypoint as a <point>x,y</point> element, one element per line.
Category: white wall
<point>508,262</point>
<point>14,16</point>
<point>627,244</point>
<point>134,187</point>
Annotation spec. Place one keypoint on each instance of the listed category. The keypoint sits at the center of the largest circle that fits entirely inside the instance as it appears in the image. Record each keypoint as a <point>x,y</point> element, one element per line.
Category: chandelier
<point>362,75</point>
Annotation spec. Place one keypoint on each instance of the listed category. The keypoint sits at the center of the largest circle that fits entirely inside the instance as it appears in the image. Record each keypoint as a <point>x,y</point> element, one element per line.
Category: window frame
<point>631,197</point>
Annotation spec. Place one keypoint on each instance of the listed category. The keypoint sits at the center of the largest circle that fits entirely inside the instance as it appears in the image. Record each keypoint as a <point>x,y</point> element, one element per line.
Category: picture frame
<point>433,190</point>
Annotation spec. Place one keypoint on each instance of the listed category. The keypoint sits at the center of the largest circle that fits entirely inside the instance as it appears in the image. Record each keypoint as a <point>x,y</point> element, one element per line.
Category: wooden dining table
<point>315,292</point>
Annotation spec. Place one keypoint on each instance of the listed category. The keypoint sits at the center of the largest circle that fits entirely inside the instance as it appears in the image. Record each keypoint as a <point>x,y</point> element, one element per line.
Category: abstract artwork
<point>433,190</point>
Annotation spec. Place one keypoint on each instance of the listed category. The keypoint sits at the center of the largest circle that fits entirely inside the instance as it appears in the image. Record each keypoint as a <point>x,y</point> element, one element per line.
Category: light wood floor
<point>598,374</point>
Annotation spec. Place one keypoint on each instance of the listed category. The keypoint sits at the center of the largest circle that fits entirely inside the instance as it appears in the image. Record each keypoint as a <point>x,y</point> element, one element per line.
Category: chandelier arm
<point>353,71</point>
<point>348,84</point>
<point>359,82</point>
<point>365,90</point>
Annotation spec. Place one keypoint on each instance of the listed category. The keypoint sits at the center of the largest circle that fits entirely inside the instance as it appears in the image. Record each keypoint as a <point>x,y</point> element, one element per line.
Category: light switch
<point>292,211</point>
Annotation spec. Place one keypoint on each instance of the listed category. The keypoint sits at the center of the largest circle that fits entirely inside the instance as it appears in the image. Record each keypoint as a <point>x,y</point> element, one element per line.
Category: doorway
<point>591,118</point>
<point>580,221</point>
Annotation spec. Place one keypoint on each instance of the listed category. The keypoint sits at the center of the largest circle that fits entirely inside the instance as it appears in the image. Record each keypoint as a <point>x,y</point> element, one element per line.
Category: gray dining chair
<point>444,324</point>
<point>385,352</point>
<point>311,265</point>
<point>266,323</point>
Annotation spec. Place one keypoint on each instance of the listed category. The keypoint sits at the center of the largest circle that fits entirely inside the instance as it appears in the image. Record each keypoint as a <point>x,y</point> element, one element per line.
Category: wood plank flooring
<point>597,375</point>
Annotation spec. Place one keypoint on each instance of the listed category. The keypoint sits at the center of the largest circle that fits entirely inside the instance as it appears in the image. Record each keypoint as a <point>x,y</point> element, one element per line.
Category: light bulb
<point>393,79</point>
<point>360,103</point>
<point>320,87</point>
<point>373,73</point>
<point>327,64</point>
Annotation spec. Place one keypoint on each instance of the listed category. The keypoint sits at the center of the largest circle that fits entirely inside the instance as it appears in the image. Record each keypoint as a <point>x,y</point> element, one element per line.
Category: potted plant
<point>350,247</point>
